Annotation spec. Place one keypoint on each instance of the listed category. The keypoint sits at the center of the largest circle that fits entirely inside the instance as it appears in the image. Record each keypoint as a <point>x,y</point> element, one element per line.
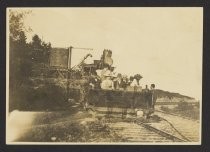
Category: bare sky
<point>164,45</point>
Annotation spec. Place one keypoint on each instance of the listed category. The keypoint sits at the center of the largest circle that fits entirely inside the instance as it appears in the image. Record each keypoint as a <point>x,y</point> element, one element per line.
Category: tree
<point>23,55</point>
<point>16,24</point>
<point>21,59</point>
<point>19,50</point>
<point>36,42</point>
<point>41,50</point>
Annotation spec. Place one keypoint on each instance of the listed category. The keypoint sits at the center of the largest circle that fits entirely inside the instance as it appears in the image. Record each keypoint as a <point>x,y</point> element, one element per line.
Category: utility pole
<point>69,57</point>
<point>69,68</point>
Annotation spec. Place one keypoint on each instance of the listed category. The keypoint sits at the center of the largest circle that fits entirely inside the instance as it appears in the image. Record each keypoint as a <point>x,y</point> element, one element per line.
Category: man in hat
<point>154,95</point>
<point>103,72</point>
<point>107,83</point>
<point>118,82</point>
<point>151,100</point>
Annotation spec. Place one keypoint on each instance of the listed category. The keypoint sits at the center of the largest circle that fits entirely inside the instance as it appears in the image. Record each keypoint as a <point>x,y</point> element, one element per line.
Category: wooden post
<point>69,57</point>
<point>69,69</point>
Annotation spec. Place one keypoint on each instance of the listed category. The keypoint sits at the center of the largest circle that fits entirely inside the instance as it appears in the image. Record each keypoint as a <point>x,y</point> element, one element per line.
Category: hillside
<point>172,97</point>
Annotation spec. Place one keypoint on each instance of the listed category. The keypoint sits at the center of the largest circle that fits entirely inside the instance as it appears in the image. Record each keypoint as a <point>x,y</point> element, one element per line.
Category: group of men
<point>108,80</point>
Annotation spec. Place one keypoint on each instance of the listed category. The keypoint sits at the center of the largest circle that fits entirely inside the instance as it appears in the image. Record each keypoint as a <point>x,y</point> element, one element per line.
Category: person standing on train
<point>118,82</point>
<point>154,95</point>
<point>107,83</point>
<point>103,72</point>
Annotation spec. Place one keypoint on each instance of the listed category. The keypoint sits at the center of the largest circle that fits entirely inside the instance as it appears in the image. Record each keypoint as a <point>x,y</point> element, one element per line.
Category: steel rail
<point>160,132</point>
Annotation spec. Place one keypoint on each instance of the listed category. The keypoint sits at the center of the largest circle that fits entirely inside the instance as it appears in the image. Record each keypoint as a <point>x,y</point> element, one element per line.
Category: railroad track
<point>169,128</point>
<point>189,128</point>
<point>136,130</point>
<point>133,132</point>
<point>173,127</point>
<point>163,133</point>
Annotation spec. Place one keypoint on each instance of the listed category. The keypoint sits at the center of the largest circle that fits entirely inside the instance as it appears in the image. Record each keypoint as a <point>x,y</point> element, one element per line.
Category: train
<point>80,76</point>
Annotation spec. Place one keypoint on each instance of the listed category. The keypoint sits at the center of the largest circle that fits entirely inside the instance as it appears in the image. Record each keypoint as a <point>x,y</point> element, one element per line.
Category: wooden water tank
<point>59,57</point>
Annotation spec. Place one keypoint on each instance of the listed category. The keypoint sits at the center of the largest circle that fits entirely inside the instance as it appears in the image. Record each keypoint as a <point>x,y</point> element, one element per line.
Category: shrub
<point>182,106</point>
<point>47,97</point>
<point>164,108</point>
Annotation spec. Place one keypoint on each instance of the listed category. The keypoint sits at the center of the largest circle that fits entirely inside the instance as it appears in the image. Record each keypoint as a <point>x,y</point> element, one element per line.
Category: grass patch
<point>184,109</point>
<point>65,127</point>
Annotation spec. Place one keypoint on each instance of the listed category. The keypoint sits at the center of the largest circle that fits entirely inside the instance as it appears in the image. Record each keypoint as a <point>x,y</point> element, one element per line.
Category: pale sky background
<point>164,45</point>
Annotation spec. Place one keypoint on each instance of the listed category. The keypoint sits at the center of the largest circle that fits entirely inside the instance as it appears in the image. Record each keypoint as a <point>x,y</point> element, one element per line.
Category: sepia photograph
<point>104,75</point>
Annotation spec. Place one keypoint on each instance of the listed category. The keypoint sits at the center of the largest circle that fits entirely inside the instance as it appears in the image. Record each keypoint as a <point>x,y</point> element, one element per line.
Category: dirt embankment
<point>65,126</point>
